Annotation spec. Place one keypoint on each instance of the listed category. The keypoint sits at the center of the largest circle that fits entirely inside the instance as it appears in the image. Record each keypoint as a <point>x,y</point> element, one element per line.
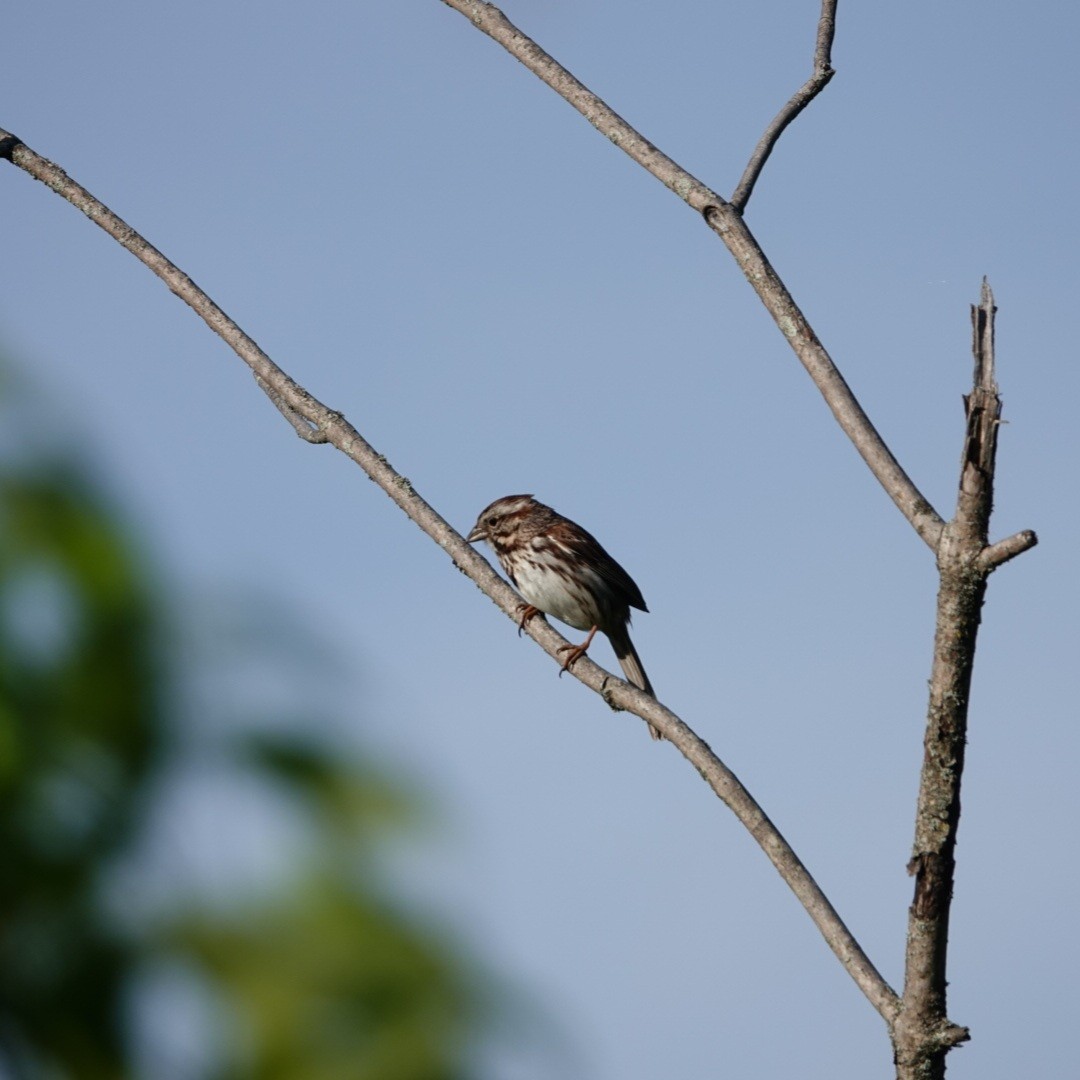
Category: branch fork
<point>918,1023</point>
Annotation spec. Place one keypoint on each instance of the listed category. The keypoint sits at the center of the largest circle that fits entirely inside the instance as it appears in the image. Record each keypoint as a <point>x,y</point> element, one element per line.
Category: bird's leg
<point>527,611</point>
<point>575,652</point>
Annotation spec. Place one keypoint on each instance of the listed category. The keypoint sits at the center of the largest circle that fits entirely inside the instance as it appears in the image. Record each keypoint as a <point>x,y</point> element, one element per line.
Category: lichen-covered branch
<point>923,1034</point>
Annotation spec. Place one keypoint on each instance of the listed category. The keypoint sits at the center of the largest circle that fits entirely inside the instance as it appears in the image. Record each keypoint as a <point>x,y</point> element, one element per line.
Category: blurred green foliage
<point>317,978</point>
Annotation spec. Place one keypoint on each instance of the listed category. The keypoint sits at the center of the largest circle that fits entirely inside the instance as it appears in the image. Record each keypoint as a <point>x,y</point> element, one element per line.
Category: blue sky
<point>432,242</point>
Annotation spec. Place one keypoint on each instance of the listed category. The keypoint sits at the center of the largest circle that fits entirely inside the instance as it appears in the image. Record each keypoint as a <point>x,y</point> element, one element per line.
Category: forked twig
<point>728,224</point>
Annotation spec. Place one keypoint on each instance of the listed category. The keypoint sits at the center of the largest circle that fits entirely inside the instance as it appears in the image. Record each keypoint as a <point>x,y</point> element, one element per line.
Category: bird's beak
<point>476,534</point>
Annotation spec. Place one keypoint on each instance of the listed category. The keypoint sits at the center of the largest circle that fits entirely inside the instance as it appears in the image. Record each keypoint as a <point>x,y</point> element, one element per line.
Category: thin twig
<point>730,227</point>
<point>822,74</point>
<point>993,556</point>
<point>615,691</point>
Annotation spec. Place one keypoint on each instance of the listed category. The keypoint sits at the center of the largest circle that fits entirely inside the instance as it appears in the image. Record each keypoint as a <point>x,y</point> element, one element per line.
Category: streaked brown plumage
<point>561,570</point>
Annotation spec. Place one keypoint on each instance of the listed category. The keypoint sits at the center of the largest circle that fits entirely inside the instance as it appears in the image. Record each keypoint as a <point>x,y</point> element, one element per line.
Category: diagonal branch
<point>300,424</point>
<point>728,224</point>
<point>822,74</point>
<point>300,407</point>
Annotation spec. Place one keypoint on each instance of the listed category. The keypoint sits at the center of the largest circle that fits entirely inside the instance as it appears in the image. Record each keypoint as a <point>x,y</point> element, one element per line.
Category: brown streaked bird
<point>561,570</point>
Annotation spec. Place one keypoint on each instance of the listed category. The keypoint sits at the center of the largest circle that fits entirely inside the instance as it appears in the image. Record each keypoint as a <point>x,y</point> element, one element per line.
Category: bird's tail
<point>630,662</point>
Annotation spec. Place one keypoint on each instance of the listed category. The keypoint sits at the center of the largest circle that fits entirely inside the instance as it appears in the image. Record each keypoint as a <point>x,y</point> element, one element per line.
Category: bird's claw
<point>527,612</point>
<point>575,653</point>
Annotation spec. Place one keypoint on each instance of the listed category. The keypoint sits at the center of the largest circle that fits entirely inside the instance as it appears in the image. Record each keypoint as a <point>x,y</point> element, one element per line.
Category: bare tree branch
<point>918,1022</point>
<point>823,72</point>
<point>923,1033</point>
<point>727,222</point>
<point>302,426</point>
<point>295,402</point>
<point>993,556</point>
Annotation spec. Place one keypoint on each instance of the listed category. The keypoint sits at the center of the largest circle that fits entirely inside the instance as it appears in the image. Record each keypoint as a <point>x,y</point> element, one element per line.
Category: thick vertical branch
<point>923,1034</point>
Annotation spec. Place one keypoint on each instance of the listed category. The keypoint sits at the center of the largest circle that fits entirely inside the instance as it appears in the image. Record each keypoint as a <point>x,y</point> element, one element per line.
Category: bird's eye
<point>492,521</point>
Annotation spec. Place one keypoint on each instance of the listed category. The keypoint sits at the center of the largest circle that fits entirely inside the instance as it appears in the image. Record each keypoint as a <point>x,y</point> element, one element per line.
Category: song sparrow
<point>562,570</point>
